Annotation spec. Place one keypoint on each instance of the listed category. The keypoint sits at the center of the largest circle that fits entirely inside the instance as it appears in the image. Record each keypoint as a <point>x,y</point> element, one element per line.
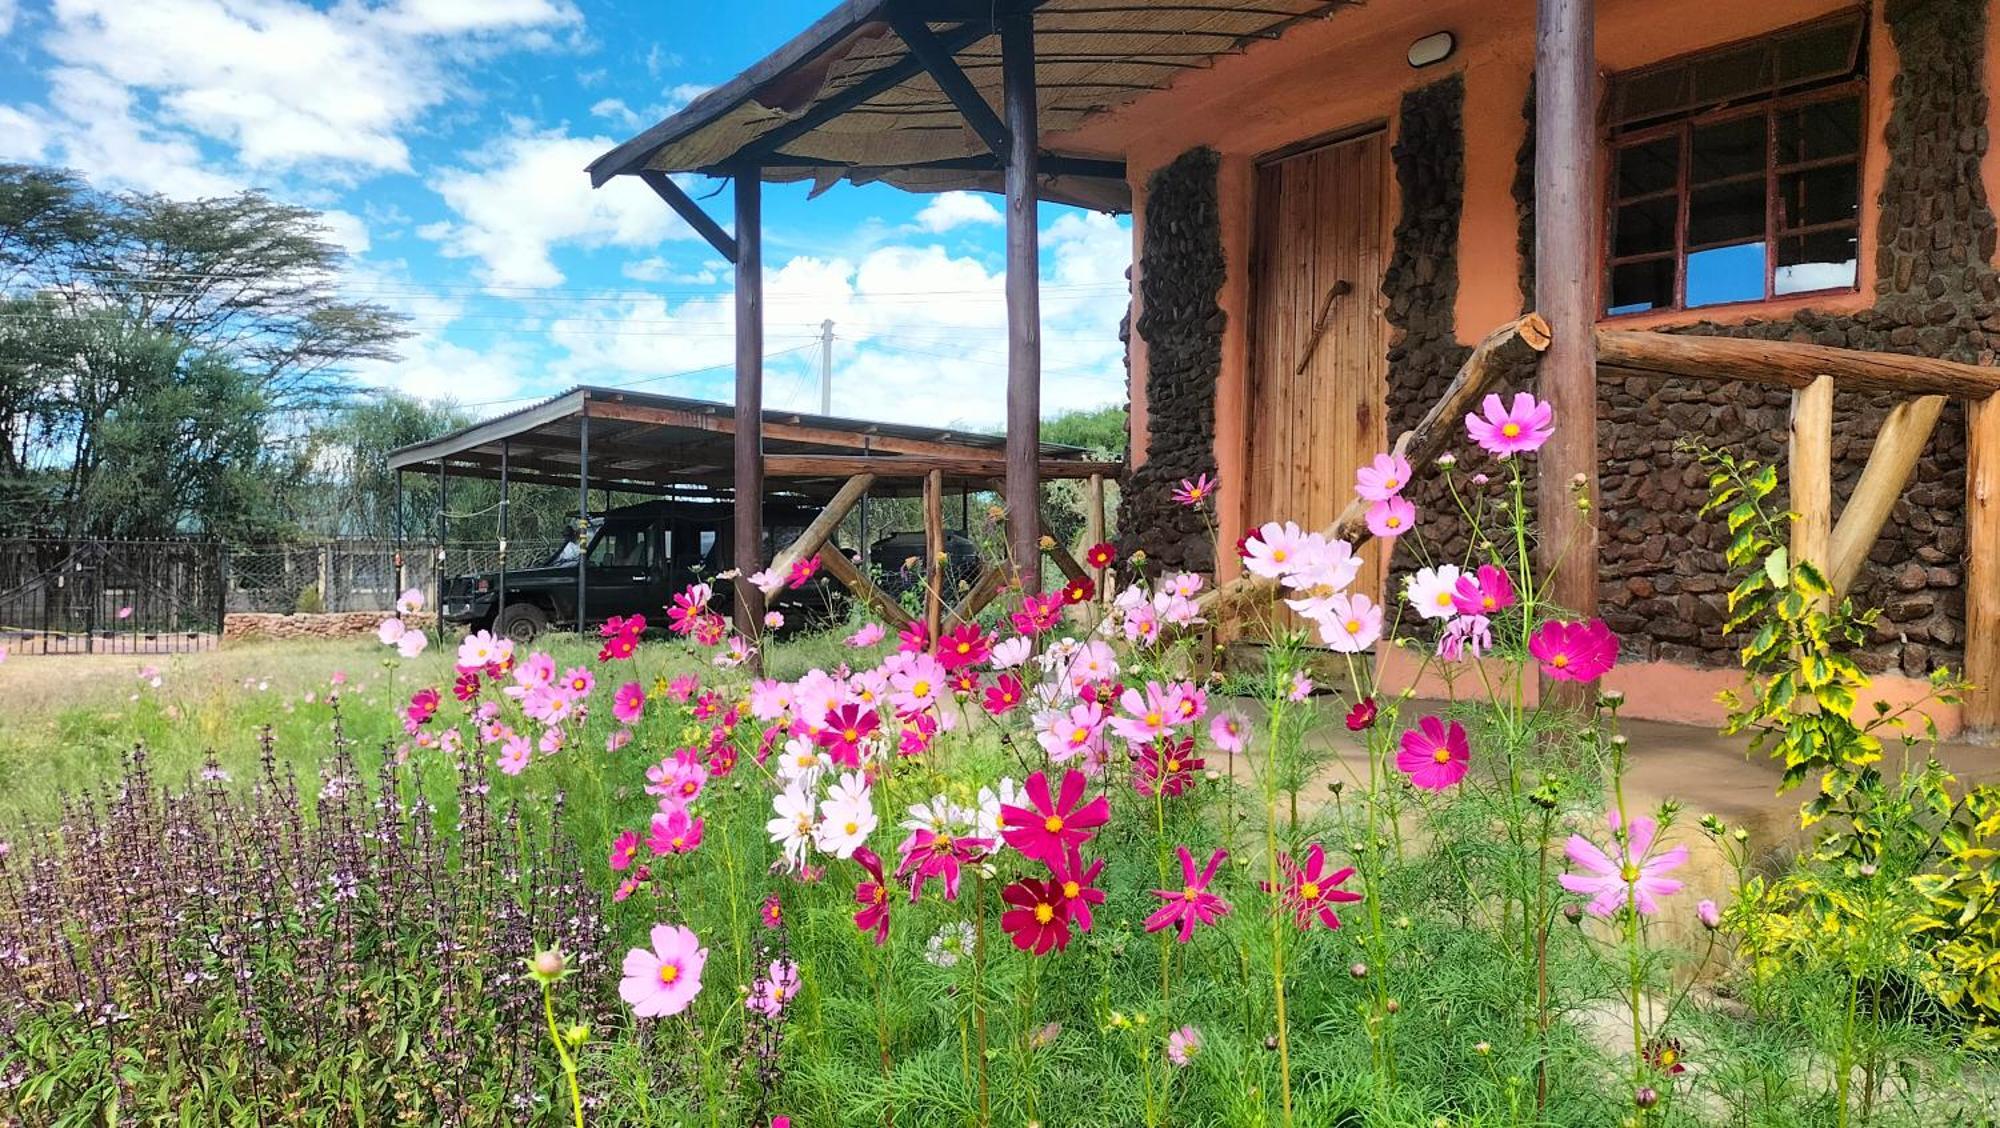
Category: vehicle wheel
<point>522,623</point>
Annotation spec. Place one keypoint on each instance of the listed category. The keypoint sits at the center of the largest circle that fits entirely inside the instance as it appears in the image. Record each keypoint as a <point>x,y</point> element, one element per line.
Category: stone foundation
<point>262,627</point>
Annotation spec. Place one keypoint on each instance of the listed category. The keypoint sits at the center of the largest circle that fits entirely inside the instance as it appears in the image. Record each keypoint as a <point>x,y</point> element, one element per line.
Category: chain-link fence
<point>109,596</point>
<point>357,575</point>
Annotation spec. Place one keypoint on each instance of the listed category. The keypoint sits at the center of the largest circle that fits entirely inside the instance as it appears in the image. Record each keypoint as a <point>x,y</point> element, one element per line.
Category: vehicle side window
<point>627,546</point>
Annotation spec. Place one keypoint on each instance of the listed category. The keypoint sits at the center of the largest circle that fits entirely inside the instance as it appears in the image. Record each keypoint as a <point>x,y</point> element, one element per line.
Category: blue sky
<point>445,142</point>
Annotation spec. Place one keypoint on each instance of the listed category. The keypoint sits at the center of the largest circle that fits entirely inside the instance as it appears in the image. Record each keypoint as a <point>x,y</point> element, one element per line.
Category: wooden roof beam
<point>936,59</point>
<point>848,465</point>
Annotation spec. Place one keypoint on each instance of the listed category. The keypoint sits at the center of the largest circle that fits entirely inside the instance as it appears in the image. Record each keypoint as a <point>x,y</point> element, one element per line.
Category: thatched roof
<point>846,99</point>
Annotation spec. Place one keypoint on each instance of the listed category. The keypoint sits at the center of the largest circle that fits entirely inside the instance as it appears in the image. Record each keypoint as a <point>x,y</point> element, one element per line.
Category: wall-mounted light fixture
<point>1432,49</point>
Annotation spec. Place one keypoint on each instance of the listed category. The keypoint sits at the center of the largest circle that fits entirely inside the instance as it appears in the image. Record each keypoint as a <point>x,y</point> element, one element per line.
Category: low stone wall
<point>260,626</point>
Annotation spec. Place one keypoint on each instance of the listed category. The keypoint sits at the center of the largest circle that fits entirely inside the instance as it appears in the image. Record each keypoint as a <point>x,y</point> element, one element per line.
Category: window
<point>623,546</point>
<point>1736,175</point>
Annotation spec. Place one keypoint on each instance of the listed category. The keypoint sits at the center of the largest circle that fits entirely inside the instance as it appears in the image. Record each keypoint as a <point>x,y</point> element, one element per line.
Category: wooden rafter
<point>820,531</point>
<point>1898,445</point>
<point>918,466</point>
<point>993,580</point>
<point>864,589</point>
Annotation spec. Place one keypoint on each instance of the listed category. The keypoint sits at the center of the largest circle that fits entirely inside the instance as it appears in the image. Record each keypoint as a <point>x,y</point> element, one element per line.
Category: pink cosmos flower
<point>964,645</point>
<point>1067,734</point>
<point>1383,478</point>
<point>1310,892</point>
<point>914,638</point>
<point>1191,904</point>
<point>802,573</point>
<point>1391,517</point>
<point>1505,431</point>
<point>628,703</point>
<point>769,994</point>
<point>772,911</point>
<point>1434,756</point>
<point>1348,623</point>
<point>1226,731</point>
<point>1302,688</point>
<point>674,833</point>
<point>867,636</point>
<point>1003,695</point>
<point>774,620</point>
<point>1574,651</point>
<point>1053,827</point>
<point>1038,613</point>
<point>1274,549</point>
<point>423,706</point>
<point>1147,716</point>
<point>1182,1045</point>
<point>688,608</point>
<point>623,849</point>
<point>1467,634</point>
<point>618,738</point>
<point>1194,491</point>
<point>664,980</point>
<point>514,755</point>
<point>1483,592</point>
<point>928,854</point>
<point>846,727</point>
<point>1627,873</point>
<point>412,643</point>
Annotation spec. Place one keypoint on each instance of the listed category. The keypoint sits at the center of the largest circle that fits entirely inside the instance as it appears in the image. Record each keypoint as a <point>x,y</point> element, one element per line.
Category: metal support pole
<point>396,533</point>
<point>826,367</point>
<point>437,566</point>
<point>582,515</point>
<point>1024,318</point>
<point>749,452</point>
<point>506,528</point>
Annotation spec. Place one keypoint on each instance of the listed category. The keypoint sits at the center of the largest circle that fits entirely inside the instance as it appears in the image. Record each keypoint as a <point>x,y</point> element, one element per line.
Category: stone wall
<point>1181,274</point>
<point>251,626</point>
<point>1662,567</point>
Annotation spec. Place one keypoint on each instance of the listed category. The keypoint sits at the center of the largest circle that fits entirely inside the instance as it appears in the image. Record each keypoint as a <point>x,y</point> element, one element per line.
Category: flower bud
<point>1646,1097</point>
<point>1271,1042</point>
<point>1710,916</point>
<point>1392,1007</point>
<point>1482,1048</point>
<point>548,966</point>
<point>1358,971</point>
<point>577,1034</point>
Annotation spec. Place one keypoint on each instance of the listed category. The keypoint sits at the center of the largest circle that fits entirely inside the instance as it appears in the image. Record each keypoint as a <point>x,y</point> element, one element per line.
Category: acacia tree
<point>125,316</point>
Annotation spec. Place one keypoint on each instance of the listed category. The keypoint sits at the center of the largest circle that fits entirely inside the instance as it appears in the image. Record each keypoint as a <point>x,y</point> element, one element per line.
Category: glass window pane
<point>1823,129</point>
<point>1818,51</point>
<point>1650,167</point>
<point>1730,148</point>
<point>1732,73</point>
<point>1640,286</point>
<point>1645,227</point>
<point>1726,213</point>
<point>1820,195</point>
<point>1726,274</point>
<point>1823,260</point>
<point>1648,95</point>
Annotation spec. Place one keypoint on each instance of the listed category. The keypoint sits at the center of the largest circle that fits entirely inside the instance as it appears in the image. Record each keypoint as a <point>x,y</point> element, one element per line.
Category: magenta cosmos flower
<point>1053,827</point>
<point>628,703</point>
<point>1433,755</point>
<point>1574,651</point>
<point>1610,879</point>
<point>1310,891</point>
<point>1382,479</point>
<point>1483,592</point>
<point>873,897</point>
<point>1191,904</point>
<point>1505,431</point>
<point>664,980</point>
<point>1193,491</point>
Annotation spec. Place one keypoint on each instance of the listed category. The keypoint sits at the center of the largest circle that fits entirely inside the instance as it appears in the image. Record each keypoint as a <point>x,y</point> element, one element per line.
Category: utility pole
<point>826,367</point>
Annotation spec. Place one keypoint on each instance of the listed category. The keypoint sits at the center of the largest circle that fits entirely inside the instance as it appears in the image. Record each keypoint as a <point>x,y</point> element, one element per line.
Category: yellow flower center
<point>669,973</point>
<point>1559,661</point>
<point>1393,521</point>
<point>1629,872</point>
<point>1442,755</point>
<point>1309,891</point>
<point>1190,893</point>
<point>1390,483</point>
<point>920,689</point>
<point>1053,824</point>
<point>1044,913</point>
<point>1511,430</point>
<point>1153,719</point>
<point>1353,626</point>
<point>850,735</point>
<point>1444,599</point>
<point>680,840</point>
<point>1173,765</point>
<point>1071,889</point>
<point>1486,603</point>
<point>1079,734</point>
<point>965,648</point>
<point>880,894</point>
<point>1280,555</point>
<point>851,826</point>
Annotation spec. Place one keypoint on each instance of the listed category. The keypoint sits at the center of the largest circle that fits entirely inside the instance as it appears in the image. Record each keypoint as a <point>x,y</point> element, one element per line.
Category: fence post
<point>325,577</point>
<point>221,589</point>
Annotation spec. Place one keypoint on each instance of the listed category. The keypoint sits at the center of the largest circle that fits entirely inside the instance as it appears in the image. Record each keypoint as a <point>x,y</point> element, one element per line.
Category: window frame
<point>1769,108</point>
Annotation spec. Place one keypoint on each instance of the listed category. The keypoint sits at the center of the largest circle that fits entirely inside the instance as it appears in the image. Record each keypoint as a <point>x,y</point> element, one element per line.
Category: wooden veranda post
<point>934,555</point>
<point>1810,479</point>
<point>1982,568</point>
<point>749,438</point>
<point>1024,317</point>
<point>1566,273</point>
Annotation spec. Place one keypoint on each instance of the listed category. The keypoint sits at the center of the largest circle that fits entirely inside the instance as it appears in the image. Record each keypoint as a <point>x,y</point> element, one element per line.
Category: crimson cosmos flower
<point>1101,555</point>
<point>1039,919</point>
<point>1078,590</point>
<point>1191,904</point>
<point>1053,827</point>
<point>873,897</point>
<point>1362,716</point>
<point>1312,892</point>
<point>1074,879</point>
<point>1167,765</point>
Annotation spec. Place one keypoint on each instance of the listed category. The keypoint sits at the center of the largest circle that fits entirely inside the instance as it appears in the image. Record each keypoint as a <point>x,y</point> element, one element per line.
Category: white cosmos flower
<point>1012,652</point>
<point>792,825</point>
<point>1431,589</point>
<point>846,821</point>
<point>952,942</point>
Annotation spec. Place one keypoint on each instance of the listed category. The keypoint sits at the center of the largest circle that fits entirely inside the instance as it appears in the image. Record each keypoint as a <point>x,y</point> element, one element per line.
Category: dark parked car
<point>637,557</point>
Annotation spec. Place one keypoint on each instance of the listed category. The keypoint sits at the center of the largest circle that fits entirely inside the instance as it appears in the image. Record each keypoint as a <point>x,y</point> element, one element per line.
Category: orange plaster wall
<point>1347,72</point>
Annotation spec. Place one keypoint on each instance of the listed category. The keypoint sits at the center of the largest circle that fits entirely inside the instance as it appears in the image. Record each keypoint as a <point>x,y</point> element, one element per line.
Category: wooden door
<point>1317,400</point>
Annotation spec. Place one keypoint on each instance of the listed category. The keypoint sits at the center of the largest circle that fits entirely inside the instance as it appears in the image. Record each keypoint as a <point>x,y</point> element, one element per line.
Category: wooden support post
<point>842,569</point>
<point>934,554</point>
<point>1810,475</point>
<point>1982,570</point>
<point>1024,317</point>
<point>822,528</point>
<point>1517,342</point>
<point>1093,511</point>
<point>1898,445</point>
<point>1566,291</point>
<point>749,445</point>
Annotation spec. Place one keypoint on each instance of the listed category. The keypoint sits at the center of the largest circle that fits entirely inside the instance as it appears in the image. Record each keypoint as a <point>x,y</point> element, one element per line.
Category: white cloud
<point>615,110</point>
<point>657,269</point>
<point>279,85</point>
<point>346,230</point>
<point>22,136</point>
<point>9,9</point>
<point>512,241</point>
<point>678,96</point>
<point>956,209</point>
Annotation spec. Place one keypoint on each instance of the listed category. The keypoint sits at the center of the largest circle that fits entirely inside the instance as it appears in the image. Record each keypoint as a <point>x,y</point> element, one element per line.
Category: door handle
<point>1339,289</point>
